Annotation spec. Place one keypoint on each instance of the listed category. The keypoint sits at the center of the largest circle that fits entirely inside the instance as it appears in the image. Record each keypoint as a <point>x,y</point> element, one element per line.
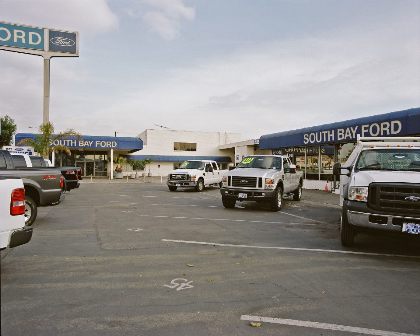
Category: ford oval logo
<point>412,198</point>
<point>244,181</point>
<point>63,41</point>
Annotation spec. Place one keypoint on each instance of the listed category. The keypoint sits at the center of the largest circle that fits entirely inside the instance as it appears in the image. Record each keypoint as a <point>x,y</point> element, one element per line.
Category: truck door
<point>216,172</point>
<point>209,177</point>
<point>288,176</point>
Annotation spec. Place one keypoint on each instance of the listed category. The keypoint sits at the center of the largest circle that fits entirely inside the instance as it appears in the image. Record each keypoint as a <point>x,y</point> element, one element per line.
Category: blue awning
<point>92,142</point>
<point>179,158</point>
<point>400,123</point>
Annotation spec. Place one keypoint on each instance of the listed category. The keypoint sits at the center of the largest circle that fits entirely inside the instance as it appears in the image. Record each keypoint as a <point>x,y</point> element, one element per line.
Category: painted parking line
<point>177,205</point>
<point>301,217</point>
<point>225,220</point>
<point>324,326</point>
<point>285,248</point>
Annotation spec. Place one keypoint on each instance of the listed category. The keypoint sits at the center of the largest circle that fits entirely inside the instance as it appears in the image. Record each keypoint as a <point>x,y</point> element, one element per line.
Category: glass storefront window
<point>92,163</point>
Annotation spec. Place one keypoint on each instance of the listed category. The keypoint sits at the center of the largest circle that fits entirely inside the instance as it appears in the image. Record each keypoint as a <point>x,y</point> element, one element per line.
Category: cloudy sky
<point>253,67</point>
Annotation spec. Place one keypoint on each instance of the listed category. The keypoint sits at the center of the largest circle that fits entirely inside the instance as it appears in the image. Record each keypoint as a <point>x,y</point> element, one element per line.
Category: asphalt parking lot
<point>136,259</point>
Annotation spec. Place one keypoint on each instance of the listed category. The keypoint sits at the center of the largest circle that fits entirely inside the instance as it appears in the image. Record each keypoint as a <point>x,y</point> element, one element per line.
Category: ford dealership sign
<point>38,41</point>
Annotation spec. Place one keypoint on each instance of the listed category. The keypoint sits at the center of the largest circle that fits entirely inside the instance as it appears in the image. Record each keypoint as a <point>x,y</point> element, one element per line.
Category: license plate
<point>242,195</point>
<point>412,228</point>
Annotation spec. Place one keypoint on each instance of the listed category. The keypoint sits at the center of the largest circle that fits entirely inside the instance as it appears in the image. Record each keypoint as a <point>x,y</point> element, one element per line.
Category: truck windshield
<point>389,159</point>
<point>263,162</point>
<point>192,165</point>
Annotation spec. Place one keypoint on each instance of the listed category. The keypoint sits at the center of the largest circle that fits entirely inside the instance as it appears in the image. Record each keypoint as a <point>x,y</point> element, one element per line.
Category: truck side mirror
<point>337,169</point>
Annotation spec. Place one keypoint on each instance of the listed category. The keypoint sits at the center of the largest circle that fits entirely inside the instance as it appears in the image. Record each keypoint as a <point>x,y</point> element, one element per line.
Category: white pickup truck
<point>262,178</point>
<point>196,174</point>
<point>13,231</point>
<point>380,187</point>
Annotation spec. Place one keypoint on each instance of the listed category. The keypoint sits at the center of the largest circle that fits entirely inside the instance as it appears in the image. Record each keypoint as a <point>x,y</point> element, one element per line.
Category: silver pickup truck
<point>262,178</point>
<point>42,187</point>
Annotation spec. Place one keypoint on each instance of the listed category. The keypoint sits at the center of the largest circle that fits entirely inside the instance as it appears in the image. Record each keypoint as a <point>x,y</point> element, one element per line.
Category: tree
<point>45,142</point>
<point>138,164</point>
<point>8,129</point>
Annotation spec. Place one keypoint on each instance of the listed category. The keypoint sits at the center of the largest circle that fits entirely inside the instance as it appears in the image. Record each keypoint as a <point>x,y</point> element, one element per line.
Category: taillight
<point>61,182</point>
<point>17,202</point>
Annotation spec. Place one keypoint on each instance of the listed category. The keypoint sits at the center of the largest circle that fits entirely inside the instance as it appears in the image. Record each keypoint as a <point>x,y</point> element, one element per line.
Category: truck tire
<point>200,185</point>
<point>297,194</point>
<point>277,200</point>
<point>347,231</point>
<point>172,188</point>
<point>31,211</point>
<point>228,202</point>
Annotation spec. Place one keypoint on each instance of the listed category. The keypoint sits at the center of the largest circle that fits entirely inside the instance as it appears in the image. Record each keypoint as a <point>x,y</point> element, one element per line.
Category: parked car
<point>42,187</point>
<point>13,231</point>
<point>262,178</point>
<point>196,174</point>
<point>380,187</point>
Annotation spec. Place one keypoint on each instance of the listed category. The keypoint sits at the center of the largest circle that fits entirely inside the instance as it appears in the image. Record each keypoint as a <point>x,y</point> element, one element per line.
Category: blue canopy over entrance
<point>400,123</point>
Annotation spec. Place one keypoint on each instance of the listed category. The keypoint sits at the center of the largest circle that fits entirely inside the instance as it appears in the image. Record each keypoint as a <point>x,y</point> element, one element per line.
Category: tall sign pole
<point>46,100</point>
<point>45,42</point>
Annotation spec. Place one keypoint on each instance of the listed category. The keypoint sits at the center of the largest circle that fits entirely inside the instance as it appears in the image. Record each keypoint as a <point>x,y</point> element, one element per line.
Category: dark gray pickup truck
<point>42,187</point>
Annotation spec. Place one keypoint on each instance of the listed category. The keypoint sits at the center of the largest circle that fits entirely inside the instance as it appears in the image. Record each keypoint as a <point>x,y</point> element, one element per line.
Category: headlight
<point>224,179</point>
<point>359,194</point>
<point>269,183</point>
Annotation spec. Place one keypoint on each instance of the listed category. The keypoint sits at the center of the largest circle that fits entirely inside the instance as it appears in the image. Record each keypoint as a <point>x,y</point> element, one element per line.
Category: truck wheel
<point>277,200</point>
<point>297,194</point>
<point>228,203</point>
<point>172,188</point>
<point>200,185</point>
<point>347,232</point>
<point>31,211</point>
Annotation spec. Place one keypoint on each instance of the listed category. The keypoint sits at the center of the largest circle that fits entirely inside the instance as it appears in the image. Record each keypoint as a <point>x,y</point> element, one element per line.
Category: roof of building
<point>399,123</point>
<point>180,158</point>
<point>96,142</point>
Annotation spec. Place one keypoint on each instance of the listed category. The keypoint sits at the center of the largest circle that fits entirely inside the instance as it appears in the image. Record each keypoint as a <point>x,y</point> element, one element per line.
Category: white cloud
<point>88,17</point>
<point>163,16</point>
<point>281,86</point>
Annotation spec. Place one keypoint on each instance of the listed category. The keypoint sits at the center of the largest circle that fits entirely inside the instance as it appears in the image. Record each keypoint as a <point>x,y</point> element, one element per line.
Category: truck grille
<point>241,181</point>
<point>398,198</point>
<point>179,177</point>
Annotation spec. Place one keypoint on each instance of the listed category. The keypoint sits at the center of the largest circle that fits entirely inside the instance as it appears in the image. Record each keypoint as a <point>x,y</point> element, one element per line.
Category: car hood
<point>252,172</point>
<point>364,178</point>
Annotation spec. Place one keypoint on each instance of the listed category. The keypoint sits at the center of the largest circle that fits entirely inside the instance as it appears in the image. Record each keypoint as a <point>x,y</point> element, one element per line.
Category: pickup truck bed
<point>12,224</point>
<point>42,187</point>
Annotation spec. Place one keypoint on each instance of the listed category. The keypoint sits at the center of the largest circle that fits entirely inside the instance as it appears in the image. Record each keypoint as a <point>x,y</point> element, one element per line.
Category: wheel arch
<point>33,193</point>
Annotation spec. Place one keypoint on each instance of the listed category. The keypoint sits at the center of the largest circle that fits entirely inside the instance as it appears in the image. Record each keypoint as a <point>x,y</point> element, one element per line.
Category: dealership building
<point>313,149</point>
<point>316,149</point>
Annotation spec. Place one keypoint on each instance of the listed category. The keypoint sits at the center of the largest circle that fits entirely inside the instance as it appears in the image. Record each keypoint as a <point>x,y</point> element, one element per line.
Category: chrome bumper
<point>181,183</point>
<point>370,220</point>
